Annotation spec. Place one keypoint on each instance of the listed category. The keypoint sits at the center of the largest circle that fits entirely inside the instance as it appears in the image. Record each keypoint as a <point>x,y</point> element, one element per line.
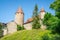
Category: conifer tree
<point>36,22</point>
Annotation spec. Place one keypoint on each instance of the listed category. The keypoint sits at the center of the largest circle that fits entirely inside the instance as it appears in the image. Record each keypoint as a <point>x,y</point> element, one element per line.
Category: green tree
<point>36,22</point>
<point>56,6</point>
<point>52,23</point>
<point>56,21</point>
<point>46,18</point>
<point>57,29</point>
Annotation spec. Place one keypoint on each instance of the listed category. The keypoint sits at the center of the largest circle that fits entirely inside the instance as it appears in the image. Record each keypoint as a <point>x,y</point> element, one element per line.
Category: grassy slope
<point>26,35</point>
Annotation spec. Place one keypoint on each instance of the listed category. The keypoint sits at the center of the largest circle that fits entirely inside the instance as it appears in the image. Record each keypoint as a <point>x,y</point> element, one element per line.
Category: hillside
<point>27,35</point>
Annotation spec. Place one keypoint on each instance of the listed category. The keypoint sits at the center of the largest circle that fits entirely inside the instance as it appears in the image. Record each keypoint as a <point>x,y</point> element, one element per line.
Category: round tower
<point>19,17</point>
<point>42,13</point>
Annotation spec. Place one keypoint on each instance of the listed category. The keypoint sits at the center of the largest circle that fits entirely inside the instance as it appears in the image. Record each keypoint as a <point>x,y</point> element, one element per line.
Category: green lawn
<point>26,35</point>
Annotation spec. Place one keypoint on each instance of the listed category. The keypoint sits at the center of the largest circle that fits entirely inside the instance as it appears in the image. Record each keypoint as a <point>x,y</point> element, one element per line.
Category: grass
<point>26,35</point>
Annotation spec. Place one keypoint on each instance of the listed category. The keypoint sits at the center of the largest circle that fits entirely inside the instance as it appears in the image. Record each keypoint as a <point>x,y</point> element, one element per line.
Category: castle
<point>19,20</point>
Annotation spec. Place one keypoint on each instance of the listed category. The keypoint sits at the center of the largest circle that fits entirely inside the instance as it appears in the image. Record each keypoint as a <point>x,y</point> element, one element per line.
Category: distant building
<point>19,20</point>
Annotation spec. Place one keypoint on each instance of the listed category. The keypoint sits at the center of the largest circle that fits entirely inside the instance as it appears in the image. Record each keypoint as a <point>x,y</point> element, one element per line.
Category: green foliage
<point>58,14</point>
<point>52,23</point>
<point>35,23</point>
<point>0,27</point>
<point>46,18</point>
<point>1,31</point>
<point>57,29</point>
<point>56,37</point>
<point>56,6</point>
<point>20,27</point>
<point>45,37</point>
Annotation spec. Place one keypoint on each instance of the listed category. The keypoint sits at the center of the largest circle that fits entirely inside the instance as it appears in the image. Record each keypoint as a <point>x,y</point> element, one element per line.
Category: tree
<point>36,22</point>
<point>56,6</point>
<point>52,23</point>
<point>46,18</point>
<point>57,29</point>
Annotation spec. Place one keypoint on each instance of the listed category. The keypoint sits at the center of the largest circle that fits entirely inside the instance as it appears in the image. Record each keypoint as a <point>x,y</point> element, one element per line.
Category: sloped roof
<point>29,20</point>
<point>19,10</point>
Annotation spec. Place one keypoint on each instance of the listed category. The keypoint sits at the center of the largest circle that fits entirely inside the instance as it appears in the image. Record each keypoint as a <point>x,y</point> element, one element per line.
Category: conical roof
<point>42,10</point>
<point>19,10</point>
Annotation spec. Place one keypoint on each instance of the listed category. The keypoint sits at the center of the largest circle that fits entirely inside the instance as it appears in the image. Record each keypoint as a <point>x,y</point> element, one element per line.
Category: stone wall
<point>11,27</point>
<point>28,26</point>
<point>5,31</point>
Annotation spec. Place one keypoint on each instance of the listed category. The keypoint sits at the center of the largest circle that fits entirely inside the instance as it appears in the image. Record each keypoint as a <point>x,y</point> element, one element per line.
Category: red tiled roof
<point>29,20</point>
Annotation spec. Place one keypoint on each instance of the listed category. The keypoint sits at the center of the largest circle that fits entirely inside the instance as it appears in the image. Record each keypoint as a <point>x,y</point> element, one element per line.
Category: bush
<point>1,33</point>
<point>20,27</point>
<point>45,37</point>
<point>57,37</point>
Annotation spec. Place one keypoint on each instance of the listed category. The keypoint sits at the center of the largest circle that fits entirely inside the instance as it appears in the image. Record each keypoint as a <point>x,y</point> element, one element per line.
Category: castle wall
<point>5,31</point>
<point>28,26</point>
<point>12,27</point>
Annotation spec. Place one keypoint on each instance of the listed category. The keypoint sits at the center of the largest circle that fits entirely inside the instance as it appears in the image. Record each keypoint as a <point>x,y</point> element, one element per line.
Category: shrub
<point>20,27</point>
<point>45,37</point>
<point>1,33</point>
<point>57,37</point>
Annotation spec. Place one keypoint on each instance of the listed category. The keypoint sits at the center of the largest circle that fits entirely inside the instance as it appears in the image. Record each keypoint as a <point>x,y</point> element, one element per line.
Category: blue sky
<point>9,7</point>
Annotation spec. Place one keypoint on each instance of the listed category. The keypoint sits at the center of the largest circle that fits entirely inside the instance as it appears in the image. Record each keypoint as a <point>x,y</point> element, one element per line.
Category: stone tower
<point>19,17</point>
<point>42,13</point>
